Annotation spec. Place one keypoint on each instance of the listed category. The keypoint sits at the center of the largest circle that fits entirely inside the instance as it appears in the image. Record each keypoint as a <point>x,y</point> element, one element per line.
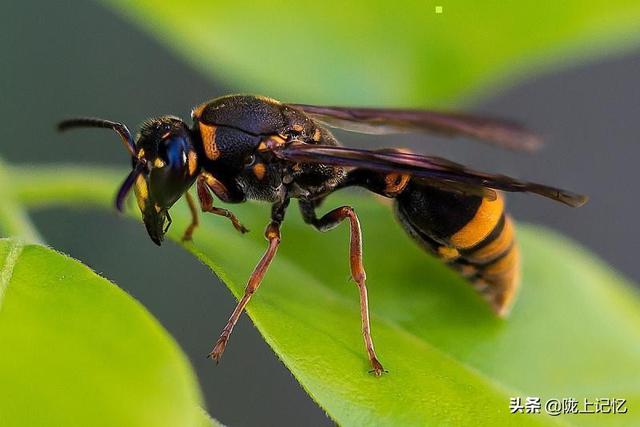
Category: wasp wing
<point>504,133</point>
<point>460,187</point>
<point>434,169</point>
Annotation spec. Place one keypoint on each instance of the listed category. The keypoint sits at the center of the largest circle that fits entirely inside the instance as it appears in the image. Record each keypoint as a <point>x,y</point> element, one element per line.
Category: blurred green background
<point>69,58</point>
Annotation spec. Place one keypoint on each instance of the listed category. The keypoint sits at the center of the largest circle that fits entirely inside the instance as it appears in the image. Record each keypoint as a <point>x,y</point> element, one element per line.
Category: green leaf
<point>77,350</point>
<point>450,360</point>
<point>574,331</point>
<point>13,219</point>
<point>380,52</point>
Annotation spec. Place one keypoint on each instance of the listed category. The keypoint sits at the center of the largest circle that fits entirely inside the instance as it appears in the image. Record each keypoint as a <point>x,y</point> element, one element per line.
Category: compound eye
<point>169,177</point>
<point>174,155</point>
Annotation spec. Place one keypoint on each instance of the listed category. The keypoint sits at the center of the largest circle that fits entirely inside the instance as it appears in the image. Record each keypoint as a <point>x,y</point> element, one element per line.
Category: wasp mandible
<point>243,147</point>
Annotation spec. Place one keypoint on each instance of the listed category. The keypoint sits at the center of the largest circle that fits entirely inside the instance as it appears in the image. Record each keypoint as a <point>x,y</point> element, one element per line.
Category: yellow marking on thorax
<point>192,161</point>
<point>497,246</point>
<point>208,134</point>
<point>273,141</point>
<point>259,170</point>
<point>276,141</point>
<point>158,162</point>
<point>395,183</point>
<point>483,222</point>
<point>196,113</point>
<point>317,134</point>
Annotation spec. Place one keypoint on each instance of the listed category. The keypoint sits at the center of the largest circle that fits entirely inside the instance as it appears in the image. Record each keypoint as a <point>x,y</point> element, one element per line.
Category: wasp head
<point>165,165</point>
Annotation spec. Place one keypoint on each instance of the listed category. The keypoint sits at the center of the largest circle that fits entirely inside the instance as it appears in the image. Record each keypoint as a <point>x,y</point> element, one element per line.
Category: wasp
<point>243,147</point>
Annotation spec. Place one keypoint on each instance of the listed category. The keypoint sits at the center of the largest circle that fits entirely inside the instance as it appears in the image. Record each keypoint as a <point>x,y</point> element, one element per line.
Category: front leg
<point>188,233</point>
<point>329,222</point>
<point>272,234</point>
<point>204,187</point>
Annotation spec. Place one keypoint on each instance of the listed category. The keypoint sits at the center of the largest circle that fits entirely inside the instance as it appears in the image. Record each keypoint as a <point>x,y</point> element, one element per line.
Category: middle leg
<point>272,234</point>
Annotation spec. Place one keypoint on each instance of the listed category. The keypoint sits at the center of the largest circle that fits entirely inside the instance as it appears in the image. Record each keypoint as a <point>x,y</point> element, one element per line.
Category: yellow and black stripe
<point>472,234</point>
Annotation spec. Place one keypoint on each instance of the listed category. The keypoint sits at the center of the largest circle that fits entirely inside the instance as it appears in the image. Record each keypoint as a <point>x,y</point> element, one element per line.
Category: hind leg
<point>329,222</point>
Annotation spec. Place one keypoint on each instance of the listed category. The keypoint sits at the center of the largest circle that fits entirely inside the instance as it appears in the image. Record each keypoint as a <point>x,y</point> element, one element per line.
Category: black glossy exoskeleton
<point>248,147</point>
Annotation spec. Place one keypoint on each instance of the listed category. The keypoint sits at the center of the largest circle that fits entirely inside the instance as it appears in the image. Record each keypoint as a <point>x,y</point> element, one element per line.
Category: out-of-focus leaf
<point>381,52</point>
<point>75,350</point>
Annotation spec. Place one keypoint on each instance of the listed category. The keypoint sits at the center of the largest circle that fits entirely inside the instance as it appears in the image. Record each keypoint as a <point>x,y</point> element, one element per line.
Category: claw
<point>218,349</point>
<point>377,370</point>
<point>241,228</point>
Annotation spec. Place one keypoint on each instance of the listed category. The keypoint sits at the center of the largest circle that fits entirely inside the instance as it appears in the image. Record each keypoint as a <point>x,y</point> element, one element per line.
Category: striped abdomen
<point>470,233</point>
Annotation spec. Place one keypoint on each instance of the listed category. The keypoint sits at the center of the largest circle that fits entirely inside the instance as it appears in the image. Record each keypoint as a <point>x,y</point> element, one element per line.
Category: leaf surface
<point>574,331</point>
<point>77,350</point>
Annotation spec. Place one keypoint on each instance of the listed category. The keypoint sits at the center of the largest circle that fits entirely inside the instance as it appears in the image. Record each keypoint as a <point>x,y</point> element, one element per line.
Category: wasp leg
<point>272,234</point>
<point>188,233</point>
<point>206,202</point>
<point>329,222</point>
